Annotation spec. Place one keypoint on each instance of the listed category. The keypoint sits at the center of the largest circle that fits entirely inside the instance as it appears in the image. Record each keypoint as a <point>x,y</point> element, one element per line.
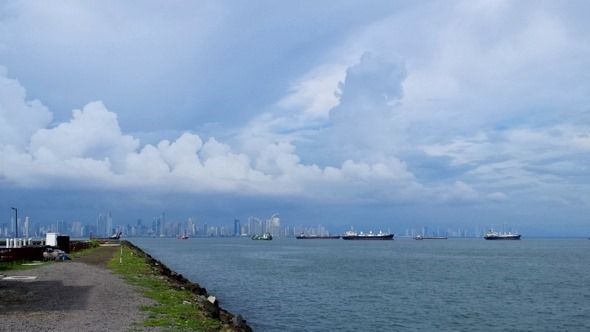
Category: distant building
<point>237,228</point>
<point>109,229</point>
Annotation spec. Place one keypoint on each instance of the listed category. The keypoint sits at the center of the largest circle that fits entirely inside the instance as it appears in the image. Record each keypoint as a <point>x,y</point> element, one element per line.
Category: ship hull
<point>515,237</point>
<point>368,237</point>
<point>308,237</point>
<point>420,237</point>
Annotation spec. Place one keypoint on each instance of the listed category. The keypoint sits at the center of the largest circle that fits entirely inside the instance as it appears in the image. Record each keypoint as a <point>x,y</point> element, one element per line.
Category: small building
<point>51,239</point>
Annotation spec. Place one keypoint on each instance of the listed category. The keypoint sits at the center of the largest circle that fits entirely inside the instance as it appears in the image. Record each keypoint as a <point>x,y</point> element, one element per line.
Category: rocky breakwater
<point>206,302</point>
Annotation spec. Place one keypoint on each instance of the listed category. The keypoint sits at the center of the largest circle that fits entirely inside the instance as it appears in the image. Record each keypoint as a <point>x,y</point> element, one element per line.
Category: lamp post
<point>15,221</point>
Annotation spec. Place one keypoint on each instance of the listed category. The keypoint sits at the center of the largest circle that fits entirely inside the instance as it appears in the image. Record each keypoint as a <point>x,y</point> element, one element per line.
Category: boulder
<point>209,309</point>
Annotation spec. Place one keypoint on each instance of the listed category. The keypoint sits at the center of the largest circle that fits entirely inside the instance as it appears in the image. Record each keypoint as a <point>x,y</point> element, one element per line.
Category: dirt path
<point>100,256</point>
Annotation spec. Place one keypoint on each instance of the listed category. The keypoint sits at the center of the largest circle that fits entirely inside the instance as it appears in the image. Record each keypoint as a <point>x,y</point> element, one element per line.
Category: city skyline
<point>191,227</point>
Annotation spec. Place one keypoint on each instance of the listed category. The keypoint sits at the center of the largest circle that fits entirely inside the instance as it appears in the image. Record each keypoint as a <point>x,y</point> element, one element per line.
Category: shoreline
<point>92,290</point>
<point>206,302</point>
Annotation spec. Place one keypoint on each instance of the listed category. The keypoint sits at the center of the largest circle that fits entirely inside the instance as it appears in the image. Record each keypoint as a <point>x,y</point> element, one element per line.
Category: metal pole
<point>15,221</point>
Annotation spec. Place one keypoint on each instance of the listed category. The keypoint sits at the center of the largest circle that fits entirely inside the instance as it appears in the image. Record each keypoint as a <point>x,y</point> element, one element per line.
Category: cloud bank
<point>91,150</point>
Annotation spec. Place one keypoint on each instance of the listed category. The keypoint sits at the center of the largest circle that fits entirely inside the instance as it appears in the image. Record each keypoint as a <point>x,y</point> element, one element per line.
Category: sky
<point>382,115</point>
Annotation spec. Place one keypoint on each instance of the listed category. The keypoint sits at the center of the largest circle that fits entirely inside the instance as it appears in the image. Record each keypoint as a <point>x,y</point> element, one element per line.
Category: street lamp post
<point>15,221</point>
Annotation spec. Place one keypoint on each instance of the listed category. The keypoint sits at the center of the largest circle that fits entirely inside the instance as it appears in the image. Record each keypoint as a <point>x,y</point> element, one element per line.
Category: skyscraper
<point>236,227</point>
<point>163,224</point>
<point>273,225</point>
<point>27,221</point>
<point>109,229</point>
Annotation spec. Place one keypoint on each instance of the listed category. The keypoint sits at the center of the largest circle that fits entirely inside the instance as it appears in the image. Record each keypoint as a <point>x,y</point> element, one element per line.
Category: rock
<point>206,302</point>
<point>209,309</point>
<point>238,321</point>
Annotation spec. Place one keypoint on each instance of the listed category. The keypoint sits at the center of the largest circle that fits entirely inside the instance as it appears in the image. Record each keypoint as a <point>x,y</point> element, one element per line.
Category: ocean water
<point>401,285</point>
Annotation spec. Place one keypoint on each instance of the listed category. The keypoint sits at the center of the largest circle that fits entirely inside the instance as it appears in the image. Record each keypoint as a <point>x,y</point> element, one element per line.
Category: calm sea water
<point>400,285</point>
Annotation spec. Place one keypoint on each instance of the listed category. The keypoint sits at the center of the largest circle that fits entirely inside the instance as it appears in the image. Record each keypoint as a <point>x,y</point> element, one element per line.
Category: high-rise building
<point>163,224</point>
<point>109,229</point>
<point>26,227</point>
<point>190,227</point>
<point>61,227</point>
<point>77,229</point>
<point>236,227</point>
<point>273,225</point>
<point>254,226</point>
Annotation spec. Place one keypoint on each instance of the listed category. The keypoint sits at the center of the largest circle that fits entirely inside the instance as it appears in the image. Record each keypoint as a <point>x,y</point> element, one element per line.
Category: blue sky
<point>381,115</point>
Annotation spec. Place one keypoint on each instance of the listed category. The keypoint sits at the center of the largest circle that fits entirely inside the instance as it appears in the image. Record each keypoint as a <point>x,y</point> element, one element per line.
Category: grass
<point>19,266</point>
<point>176,309</point>
<point>81,252</point>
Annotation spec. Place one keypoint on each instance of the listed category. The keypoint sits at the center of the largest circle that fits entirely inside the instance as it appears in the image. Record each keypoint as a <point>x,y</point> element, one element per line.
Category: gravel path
<point>77,295</point>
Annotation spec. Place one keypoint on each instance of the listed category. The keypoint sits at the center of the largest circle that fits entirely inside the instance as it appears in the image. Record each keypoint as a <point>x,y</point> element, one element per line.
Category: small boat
<point>305,237</point>
<point>491,235</point>
<point>183,237</point>
<point>420,237</point>
<point>352,235</point>
<point>116,236</point>
<point>266,236</point>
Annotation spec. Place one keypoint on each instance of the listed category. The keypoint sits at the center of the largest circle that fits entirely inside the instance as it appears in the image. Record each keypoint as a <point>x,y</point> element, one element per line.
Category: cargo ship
<point>305,237</point>
<point>420,237</point>
<point>352,235</point>
<point>491,235</point>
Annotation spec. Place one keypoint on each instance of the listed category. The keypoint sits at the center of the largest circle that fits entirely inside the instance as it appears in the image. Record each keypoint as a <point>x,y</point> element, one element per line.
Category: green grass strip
<point>176,309</point>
